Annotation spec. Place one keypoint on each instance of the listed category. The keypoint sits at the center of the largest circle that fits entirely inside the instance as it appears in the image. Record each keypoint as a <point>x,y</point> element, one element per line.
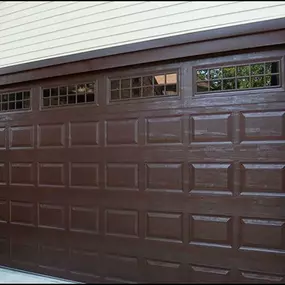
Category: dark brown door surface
<point>165,173</point>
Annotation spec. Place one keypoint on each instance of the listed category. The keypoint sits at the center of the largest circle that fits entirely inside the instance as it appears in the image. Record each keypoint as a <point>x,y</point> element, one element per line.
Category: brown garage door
<point>166,173</point>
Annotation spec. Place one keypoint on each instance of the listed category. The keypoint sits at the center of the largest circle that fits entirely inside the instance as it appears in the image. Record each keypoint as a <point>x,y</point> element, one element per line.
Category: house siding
<point>31,31</point>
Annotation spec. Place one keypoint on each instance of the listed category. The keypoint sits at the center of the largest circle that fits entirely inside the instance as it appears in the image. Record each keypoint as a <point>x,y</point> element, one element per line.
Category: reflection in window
<point>68,95</point>
<point>144,86</point>
<point>238,77</point>
<point>13,101</point>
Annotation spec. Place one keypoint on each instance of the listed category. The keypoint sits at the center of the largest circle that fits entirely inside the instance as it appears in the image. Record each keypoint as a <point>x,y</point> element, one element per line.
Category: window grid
<point>147,86</point>
<point>238,77</point>
<point>14,101</point>
<point>67,95</point>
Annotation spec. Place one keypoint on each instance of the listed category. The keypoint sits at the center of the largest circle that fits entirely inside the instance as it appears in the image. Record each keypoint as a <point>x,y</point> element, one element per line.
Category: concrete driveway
<point>8,276</point>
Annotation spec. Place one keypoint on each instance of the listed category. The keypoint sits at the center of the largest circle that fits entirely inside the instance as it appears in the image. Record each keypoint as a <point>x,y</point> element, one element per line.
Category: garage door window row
<point>59,96</point>
<point>11,101</point>
<point>144,86</point>
<point>238,77</point>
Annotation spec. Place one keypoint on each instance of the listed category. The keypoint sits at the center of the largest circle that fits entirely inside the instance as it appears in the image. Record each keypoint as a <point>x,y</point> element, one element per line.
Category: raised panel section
<point>84,219</point>
<point>209,274</point>
<point>3,174</point>
<point>262,234</point>
<point>260,277</point>
<point>211,231</point>
<point>122,176</point>
<point>211,178</point>
<point>51,136</point>
<point>163,271</point>
<point>51,174</point>
<point>84,175</point>
<point>51,216</point>
<point>83,134</point>
<point>24,253</point>
<point>21,174</point>
<point>121,132</point>
<point>2,138</point>
<point>123,223</point>
<point>21,137</point>
<point>4,211</point>
<point>262,179</point>
<point>211,128</point>
<point>166,130</point>
<point>121,266</point>
<point>164,177</point>
<point>22,213</point>
<point>84,262</point>
<point>52,257</point>
<point>262,126</point>
<point>164,227</point>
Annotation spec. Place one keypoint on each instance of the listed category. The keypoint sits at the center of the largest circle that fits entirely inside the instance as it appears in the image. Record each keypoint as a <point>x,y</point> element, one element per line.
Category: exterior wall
<point>31,31</point>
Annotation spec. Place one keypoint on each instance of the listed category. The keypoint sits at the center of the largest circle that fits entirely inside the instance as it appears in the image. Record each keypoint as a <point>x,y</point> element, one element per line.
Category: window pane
<point>125,83</point>
<point>203,74</point>
<point>171,89</point>
<point>81,98</point>
<point>147,91</point>
<point>126,93</point>
<point>243,83</point>
<point>19,96</point>
<point>215,73</point>
<point>147,80</point>
<point>159,79</point>
<point>243,70</point>
<point>62,90</point>
<point>115,84</point>
<point>90,97</point>
<point>272,80</point>
<point>54,91</point>
<point>215,85</point>
<point>115,95</point>
<point>229,72</point>
<point>271,67</point>
<point>257,81</point>
<point>203,86</point>
<point>12,97</point>
<point>171,78</point>
<point>229,84</point>
<point>136,92</point>
<point>257,69</point>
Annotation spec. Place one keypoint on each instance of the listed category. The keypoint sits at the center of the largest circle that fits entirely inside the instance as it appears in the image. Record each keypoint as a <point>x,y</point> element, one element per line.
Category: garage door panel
<point>262,126</point>
<point>164,130</point>
<point>51,135</point>
<point>22,174</point>
<point>262,234</point>
<point>21,137</point>
<point>261,179</point>
<point>211,128</point>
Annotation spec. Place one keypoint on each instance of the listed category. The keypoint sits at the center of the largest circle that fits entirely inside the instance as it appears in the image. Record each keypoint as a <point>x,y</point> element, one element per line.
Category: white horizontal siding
<point>31,31</point>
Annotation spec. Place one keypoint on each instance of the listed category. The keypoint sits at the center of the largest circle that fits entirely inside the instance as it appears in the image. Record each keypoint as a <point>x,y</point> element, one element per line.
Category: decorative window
<point>238,77</point>
<point>144,86</point>
<point>19,100</point>
<point>74,94</point>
